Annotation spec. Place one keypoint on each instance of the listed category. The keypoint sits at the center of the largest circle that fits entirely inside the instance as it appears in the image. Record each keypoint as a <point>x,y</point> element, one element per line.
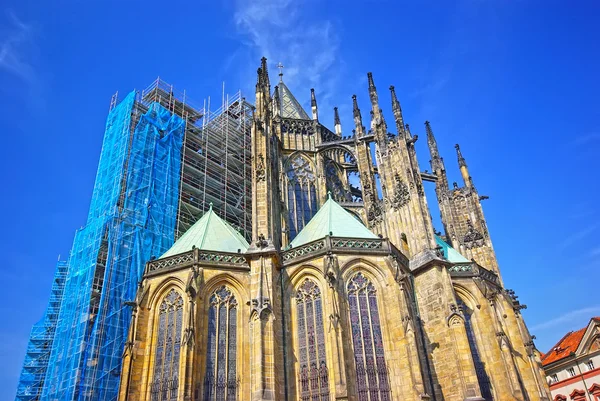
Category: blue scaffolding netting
<point>41,338</point>
<point>132,218</point>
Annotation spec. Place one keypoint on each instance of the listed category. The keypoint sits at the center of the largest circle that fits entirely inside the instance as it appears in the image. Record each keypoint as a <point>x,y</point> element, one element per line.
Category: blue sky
<point>514,82</point>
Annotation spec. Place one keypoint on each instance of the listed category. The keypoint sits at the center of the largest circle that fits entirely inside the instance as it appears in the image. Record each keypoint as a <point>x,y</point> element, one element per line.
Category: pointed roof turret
<point>290,107</point>
<point>333,220</point>
<point>210,233</point>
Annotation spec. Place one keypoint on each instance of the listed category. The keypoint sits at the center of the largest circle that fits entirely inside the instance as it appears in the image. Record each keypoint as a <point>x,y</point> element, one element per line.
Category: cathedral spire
<point>378,125</point>
<point>265,72</point>
<point>276,102</point>
<point>336,121</point>
<point>357,117</point>
<point>397,112</point>
<point>373,93</point>
<point>437,163</point>
<point>462,164</point>
<point>313,104</point>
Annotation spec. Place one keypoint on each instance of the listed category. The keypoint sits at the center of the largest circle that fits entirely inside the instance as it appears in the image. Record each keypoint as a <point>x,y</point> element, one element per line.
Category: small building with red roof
<point>573,365</point>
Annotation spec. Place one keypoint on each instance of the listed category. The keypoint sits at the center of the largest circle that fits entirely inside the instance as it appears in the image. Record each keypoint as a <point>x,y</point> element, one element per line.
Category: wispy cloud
<point>16,43</point>
<point>595,251</point>
<point>576,237</point>
<point>282,31</point>
<point>568,317</point>
<point>587,138</point>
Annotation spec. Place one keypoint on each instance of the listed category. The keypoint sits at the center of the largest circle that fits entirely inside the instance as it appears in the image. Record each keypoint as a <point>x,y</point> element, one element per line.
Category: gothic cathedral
<point>345,292</point>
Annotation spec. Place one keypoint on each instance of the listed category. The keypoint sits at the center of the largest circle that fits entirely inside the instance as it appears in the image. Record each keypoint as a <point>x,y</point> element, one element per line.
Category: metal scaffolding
<point>37,355</point>
<point>216,157</point>
<point>163,160</point>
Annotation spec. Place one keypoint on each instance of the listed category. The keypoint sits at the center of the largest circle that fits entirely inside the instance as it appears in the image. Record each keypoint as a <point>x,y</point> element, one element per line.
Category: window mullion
<point>373,350</point>
<point>226,377</point>
<point>362,342</point>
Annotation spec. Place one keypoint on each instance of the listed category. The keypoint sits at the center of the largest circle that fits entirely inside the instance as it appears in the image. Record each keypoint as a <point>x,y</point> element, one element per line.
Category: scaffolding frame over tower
<point>163,161</point>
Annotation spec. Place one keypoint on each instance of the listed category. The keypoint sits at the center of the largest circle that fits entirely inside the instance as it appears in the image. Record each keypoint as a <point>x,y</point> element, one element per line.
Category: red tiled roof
<point>565,346</point>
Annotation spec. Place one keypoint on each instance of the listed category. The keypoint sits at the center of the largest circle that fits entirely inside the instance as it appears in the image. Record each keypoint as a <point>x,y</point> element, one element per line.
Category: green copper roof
<point>450,253</point>
<point>290,108</point>
<point>334,219</point>
<point>210,233</point>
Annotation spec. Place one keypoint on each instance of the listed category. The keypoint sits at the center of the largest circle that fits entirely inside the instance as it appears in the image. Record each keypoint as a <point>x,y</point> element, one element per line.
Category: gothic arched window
<point>221,383</point>
<point>313,379</point>
<point>482,376</point>
<point>371,371</point>
<point>302,194</point>
<point>165,380</point>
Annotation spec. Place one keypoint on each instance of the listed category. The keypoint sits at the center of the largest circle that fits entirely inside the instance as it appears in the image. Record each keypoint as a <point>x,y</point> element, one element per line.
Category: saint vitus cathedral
<point>345,291</point>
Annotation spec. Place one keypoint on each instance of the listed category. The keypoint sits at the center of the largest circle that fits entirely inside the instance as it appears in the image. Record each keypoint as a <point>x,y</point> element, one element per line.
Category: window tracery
<point>221,382</point>
<point>313,380</point>
<point>371,371</point>
<point>482,376</point>
<point>166,365</point>
<point>302,194</point>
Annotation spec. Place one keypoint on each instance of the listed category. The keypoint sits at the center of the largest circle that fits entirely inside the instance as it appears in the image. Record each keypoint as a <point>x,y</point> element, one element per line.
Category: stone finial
<point>461,160</point>
<point>313,104</point>
<point>355,109</point>
<point>336,121</point>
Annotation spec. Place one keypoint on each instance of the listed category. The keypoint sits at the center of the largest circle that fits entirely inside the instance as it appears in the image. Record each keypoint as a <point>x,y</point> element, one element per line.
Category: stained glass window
<point>371,371</point>
<point>221,382</point>
<point>313,379</point>
<point>482,376</point>
<point>165,380</point>
<point>302,194</point>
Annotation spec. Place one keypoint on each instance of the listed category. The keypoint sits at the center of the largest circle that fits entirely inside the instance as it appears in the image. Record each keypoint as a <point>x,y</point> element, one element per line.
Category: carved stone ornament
<point>331,267</point>
<point>374,212</point>
<point>261,308</point>
<point>456,316</point>
<point>260,169</point>
<point>401,193</point>
<point>473,238</point>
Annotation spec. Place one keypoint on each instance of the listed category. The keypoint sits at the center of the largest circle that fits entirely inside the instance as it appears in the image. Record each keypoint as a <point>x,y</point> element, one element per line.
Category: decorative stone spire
<point>265,72</point>
<point>437,163</point>
<point>462,164</point>
<point>373,93</point>
<point>397,110</point>
<point>461,160</point>
<point>313,104</point>
<point>276,102</point>
<point>378,125</point>
<point>259,79</point>
<point>336,121</point>
<point>357,117</point>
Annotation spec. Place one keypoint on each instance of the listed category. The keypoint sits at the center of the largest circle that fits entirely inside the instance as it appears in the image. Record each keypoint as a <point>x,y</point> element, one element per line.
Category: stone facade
<point>419,328</point>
